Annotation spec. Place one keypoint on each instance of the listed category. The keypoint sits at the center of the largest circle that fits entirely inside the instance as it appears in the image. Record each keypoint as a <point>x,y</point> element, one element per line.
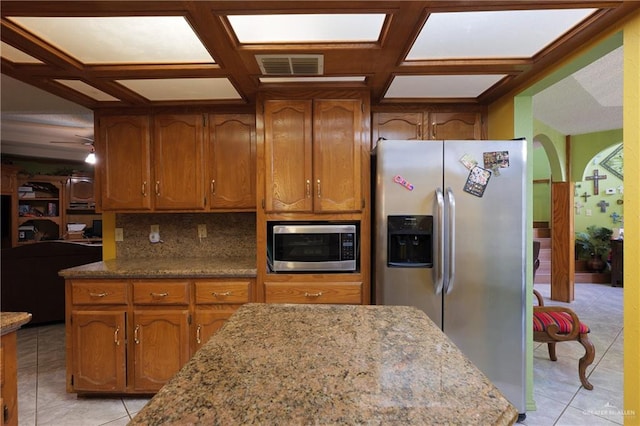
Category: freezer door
<point>484,311</point>
<point>408,173</point>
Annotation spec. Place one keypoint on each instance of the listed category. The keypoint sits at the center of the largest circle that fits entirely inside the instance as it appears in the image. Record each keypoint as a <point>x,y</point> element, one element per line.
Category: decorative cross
<point>585,196</point>
<point>603,206</point>
<point>595,178</point>
<point>578,205</point>
<point>616,217</point>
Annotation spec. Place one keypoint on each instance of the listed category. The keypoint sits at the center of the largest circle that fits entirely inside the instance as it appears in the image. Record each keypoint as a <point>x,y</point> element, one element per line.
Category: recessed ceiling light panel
<point>307,28</point>
<point>499,34</point>
<point>441,86</point>
<point>132,40</point>
<point>87,90</point>
<point>177,89</point>
<point>18,56</point>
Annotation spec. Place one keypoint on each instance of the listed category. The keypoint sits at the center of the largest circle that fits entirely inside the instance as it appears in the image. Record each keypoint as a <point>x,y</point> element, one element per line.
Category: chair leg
<point>586,360</point>
<point>552,351</point>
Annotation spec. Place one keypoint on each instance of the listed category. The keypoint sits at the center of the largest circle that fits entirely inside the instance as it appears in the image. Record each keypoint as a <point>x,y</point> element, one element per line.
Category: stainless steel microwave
<point>314,247</point>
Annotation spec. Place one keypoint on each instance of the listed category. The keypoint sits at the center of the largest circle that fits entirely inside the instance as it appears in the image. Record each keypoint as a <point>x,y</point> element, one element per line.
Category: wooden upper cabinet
<point>397,126</point>
<point>337,161</point>
<point>178,153</point>
<point>288,150</point>
<point>313,155</point>
<point>231,165</point>
<point>455,125</point>
<point>427,126</point>
<point>123,151</point>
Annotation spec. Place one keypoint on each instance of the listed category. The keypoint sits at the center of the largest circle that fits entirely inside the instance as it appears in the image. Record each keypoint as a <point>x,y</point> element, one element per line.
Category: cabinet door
<point>232,161</point>
<point>337,145</point>
<point>123,151</point>
<point>288,175</point>
<point>397,126</point>
<point>178,157</point>
<point>99,350</point>
<point>455,125</point>
<point>208,321</point>
<point>160,346</point>
<point>313,292</point>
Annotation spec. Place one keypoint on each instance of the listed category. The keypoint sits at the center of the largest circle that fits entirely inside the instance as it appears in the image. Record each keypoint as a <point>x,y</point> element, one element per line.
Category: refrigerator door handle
<point>451,219</point>
<point>438,271</point>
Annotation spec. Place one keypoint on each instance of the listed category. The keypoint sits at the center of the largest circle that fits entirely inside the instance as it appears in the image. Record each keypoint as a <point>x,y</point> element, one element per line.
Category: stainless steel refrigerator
<point>450,237</point>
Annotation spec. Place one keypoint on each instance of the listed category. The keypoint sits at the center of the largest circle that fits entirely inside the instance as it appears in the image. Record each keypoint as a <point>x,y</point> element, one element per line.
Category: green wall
<point>589,213</point>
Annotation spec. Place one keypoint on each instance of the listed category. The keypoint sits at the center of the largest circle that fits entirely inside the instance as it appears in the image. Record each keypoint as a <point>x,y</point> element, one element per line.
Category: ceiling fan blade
<point>71,142</point>
<point>85,138</point>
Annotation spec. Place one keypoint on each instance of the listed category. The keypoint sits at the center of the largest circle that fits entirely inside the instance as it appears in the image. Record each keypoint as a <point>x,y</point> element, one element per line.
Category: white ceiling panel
<point>603,80</point>
<point>87,89</point>
<point>440,86</point>
<point>139,39</point>
<point>311,79</point>
<point>17,56</point>
<point>501,34</point>
<point>310,28</point>
<point>173,89</point>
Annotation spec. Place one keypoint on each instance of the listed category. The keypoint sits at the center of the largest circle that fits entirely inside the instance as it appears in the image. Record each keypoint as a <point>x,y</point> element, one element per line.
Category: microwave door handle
<point>438,271</point>
<point>451,255</point>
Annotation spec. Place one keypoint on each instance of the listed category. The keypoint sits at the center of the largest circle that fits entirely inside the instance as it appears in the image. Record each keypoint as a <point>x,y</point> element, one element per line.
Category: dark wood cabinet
<point>617,263</point>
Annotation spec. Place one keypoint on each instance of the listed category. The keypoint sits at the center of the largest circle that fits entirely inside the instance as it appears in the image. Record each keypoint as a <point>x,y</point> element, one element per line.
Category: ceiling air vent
<point>291,64</point>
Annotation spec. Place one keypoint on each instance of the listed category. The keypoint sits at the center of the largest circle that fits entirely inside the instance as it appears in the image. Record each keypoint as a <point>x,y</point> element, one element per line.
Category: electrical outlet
<point>202,231</point>
<point>119,235</point>
<point>155,229</point>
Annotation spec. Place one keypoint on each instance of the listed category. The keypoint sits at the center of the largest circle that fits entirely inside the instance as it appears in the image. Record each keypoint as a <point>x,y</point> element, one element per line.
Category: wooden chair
<point>553,324</point>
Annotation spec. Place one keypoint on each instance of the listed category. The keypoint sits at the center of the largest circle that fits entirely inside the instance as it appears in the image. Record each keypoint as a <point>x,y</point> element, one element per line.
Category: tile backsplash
<point>228,235</point>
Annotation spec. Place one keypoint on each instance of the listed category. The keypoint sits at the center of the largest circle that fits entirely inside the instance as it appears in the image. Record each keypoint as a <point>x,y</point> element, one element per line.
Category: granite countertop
<point>165,268</point>
<point>328,364</point>
<point>11,321</point>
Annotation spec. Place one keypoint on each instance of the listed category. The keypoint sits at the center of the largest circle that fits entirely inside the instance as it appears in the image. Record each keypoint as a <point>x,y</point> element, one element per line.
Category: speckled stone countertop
<point>281,364</point>
<point>11,321</point>
<point>165,268</point>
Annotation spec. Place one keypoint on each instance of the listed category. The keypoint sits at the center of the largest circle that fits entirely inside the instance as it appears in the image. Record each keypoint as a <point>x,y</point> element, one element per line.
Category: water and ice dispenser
<point>410,241</point>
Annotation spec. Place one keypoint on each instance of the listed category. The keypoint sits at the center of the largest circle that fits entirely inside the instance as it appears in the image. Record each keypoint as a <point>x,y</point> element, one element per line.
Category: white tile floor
<point>559,397</point>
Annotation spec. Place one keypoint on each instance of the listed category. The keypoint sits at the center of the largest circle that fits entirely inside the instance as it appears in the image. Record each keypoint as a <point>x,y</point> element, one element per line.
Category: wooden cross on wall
<point>595,178</point>
<point>603,206</point>
<point>585,196</point>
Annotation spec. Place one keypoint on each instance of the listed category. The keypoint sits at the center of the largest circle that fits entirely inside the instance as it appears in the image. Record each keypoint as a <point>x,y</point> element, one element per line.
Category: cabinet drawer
<point>291,292</point>
<point>99,293</point>
<point>236,291</point>
<point>161,293</point>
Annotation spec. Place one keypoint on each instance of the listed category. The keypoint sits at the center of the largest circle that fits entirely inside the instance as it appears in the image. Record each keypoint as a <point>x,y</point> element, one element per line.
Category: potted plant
<point>594,245</point>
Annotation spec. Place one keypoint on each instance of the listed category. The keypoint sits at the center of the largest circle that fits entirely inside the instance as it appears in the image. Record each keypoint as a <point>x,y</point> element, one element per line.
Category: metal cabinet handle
<point>135,335</point>
<point>318,184</point>
<point>213,186</point>
<point>158,188</point>
<point>158,294</point>
<point>216,294</point>
<point>433,130</point>
<point>103,294</point>
<point>419,131</point>
<point>308,188</point>
<point>115,336</point>
<point>144,188</point>
<point>198,340</point>
<point>307,294</point>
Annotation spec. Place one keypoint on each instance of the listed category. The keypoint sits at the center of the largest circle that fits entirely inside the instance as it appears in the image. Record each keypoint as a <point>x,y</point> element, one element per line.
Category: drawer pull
<point>103,294</point>
<point>307,294</point>
<point>135,335</point>
<point>158,294</point>
<point>198,334</point>
<point>223,294</point>
<point>115,336</point>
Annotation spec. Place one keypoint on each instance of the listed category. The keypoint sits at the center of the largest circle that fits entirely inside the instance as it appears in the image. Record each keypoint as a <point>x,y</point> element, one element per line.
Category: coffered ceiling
<point>103,54</point>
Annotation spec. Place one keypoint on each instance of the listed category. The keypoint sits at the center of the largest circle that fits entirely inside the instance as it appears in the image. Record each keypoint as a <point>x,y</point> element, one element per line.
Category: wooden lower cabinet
<point>216,300</point>
<point>132,336</point>
<point>99,350</point>
<point>313,292</point>
<point>161,346</point>
<point>8,380</point>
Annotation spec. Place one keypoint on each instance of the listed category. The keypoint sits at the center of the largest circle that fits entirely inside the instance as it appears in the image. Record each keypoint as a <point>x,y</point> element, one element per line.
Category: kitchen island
<point>328,364</point>
<point>10,322</point>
